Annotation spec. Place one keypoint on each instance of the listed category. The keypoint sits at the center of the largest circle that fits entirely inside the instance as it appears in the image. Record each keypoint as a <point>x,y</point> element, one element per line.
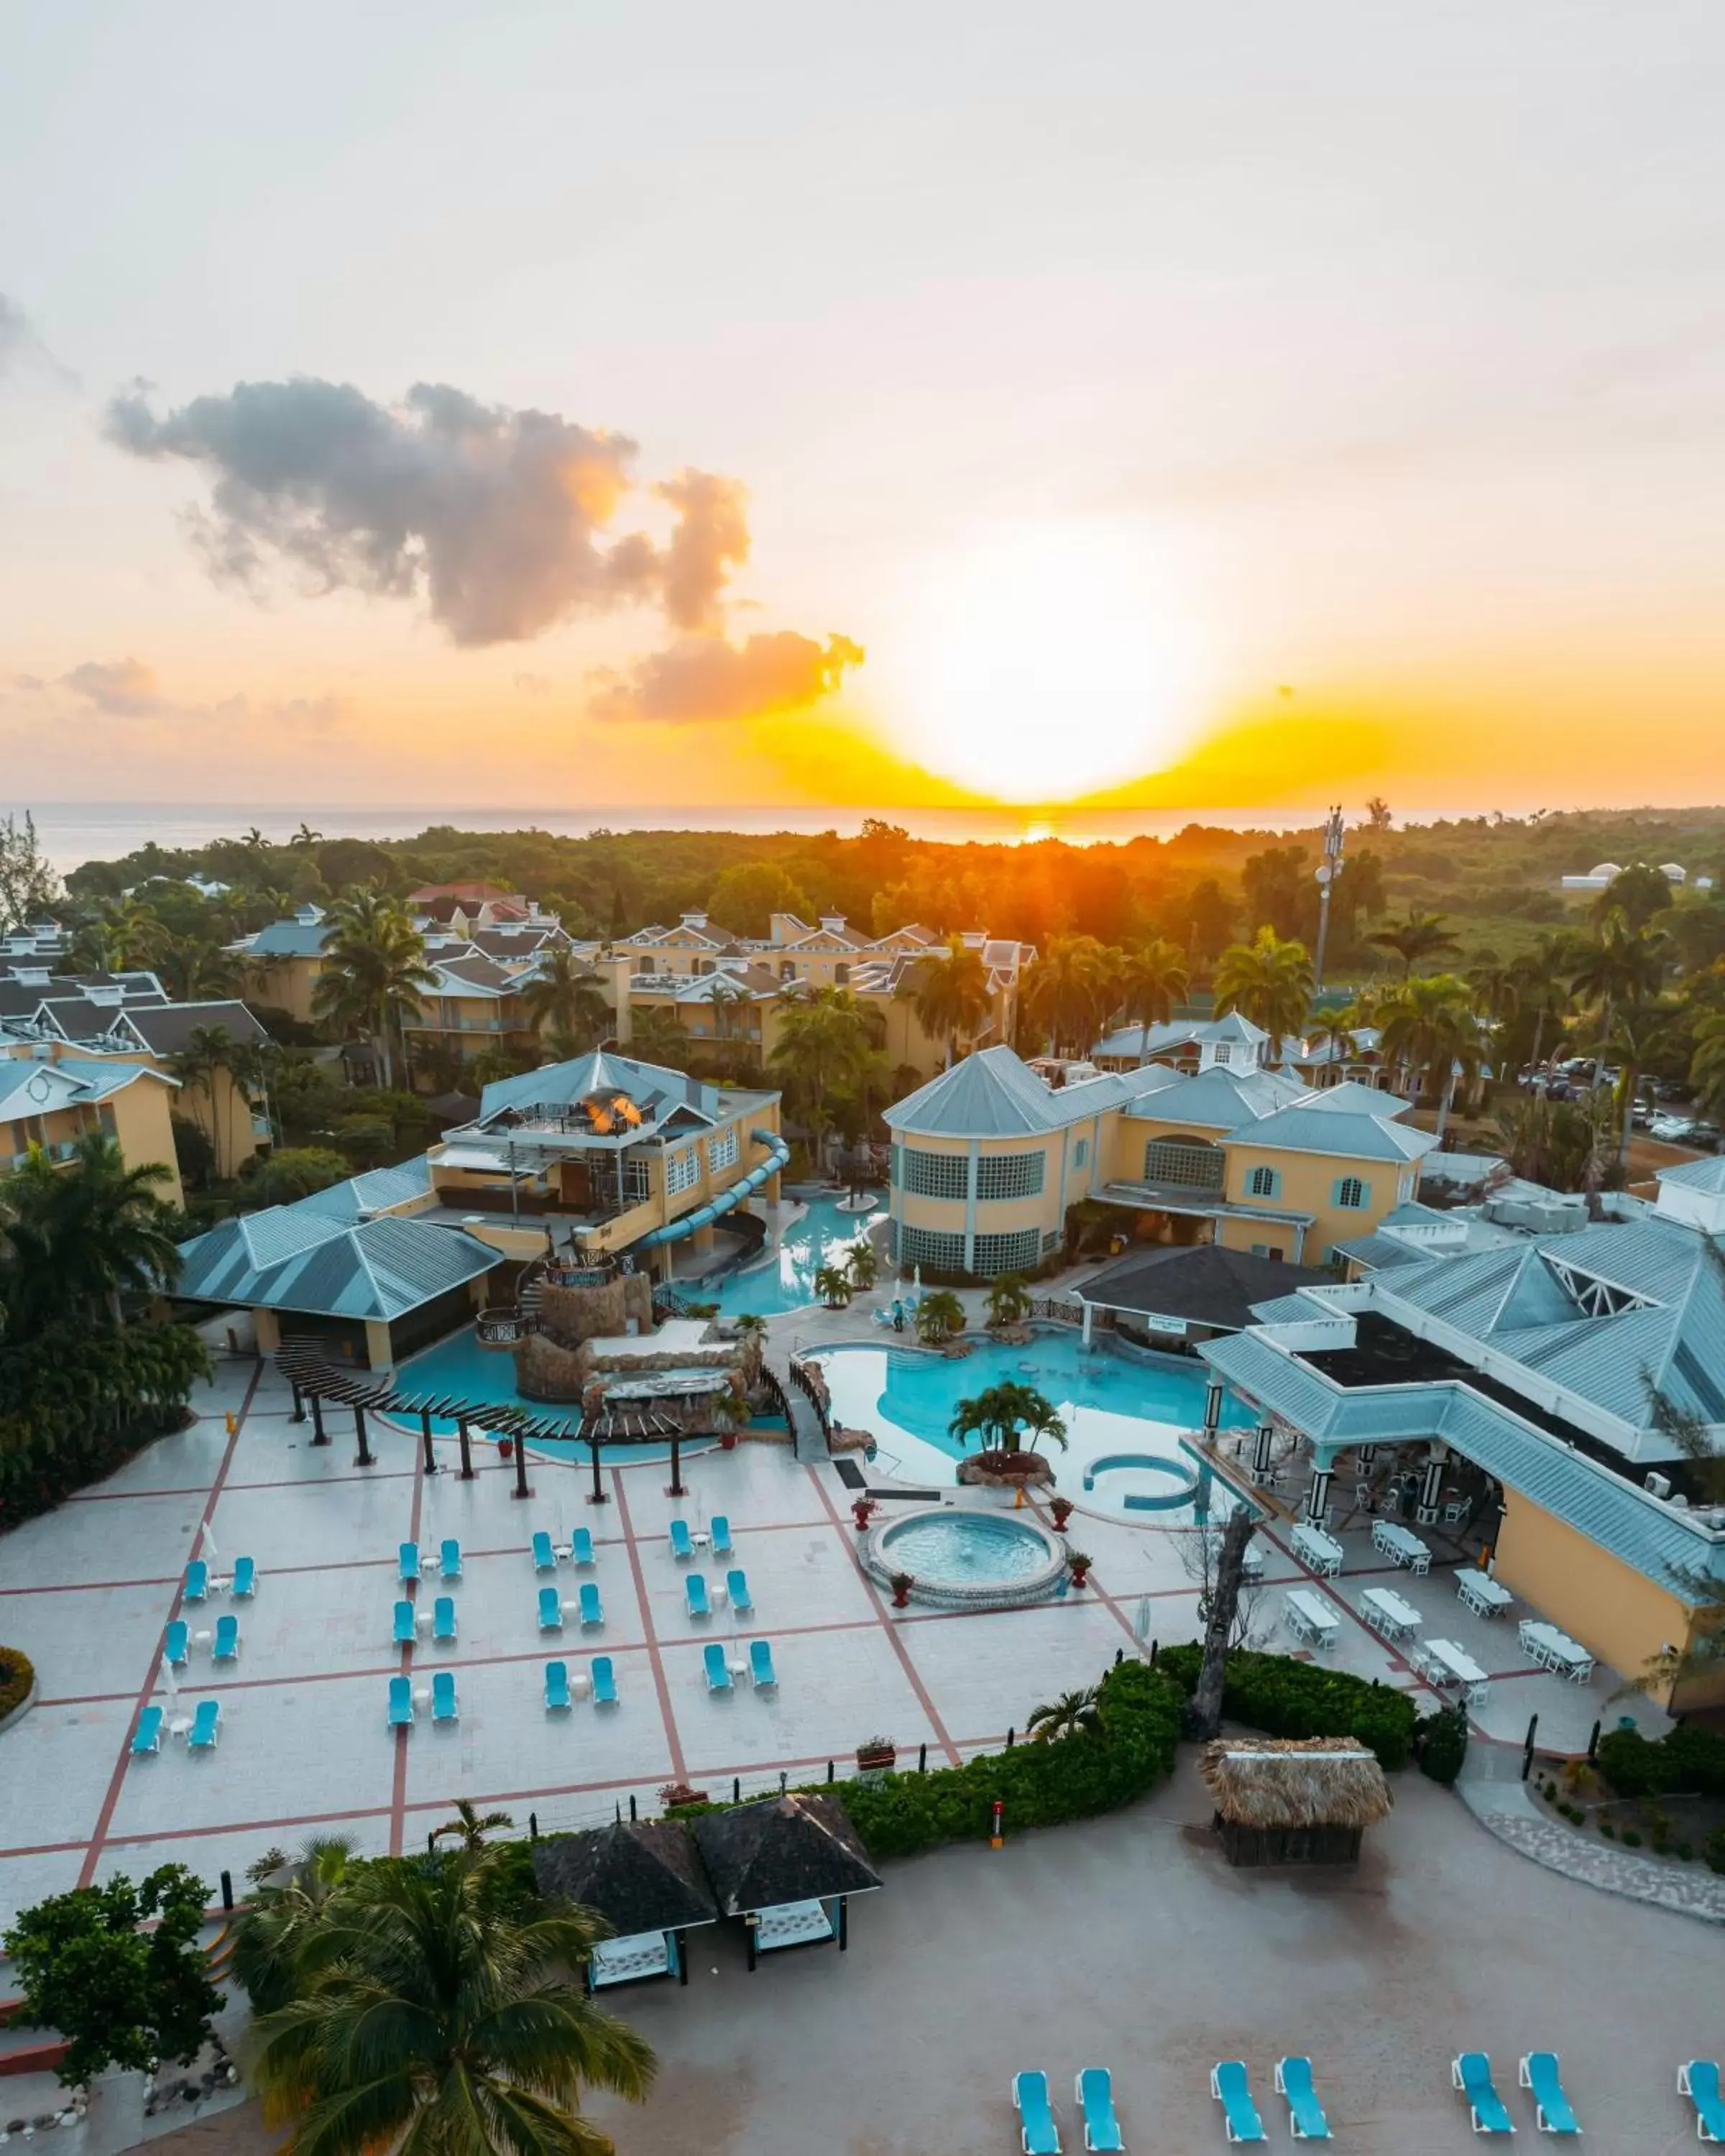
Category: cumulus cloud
<point>711,539</point>
<point>128,692</point>
<point>123,688</point>
<point>702,677</point>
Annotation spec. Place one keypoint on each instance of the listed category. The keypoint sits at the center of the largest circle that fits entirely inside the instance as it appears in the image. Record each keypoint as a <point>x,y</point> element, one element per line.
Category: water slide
<point>779,1154</point>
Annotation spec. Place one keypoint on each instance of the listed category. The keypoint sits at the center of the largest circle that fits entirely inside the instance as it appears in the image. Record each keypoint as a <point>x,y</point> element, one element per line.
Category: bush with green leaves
<point>17,1675</point>
<point>1441,1744</point>
<point>1691,1761</point>
<point>1285,1698</point>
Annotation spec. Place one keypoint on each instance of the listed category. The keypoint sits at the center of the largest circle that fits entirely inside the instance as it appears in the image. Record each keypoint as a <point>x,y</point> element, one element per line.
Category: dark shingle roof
<point>1207,1285</point>
<point>645,1876</point>
<point>165,1029</point>
<point>794,1848</point>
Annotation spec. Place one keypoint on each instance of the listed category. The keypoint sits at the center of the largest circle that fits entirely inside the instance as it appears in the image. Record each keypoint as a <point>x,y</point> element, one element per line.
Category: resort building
<point>52,1102</point>
<point>285,959</point>
<point>988,1161</point>
<point>1535,1389</point>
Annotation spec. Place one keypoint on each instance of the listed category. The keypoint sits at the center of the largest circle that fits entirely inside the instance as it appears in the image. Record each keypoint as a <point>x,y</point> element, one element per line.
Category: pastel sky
<point>1229,406</point>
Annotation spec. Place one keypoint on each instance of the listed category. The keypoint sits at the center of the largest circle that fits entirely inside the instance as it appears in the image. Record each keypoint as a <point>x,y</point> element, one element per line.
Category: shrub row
<point>17,1675</point>
<point>1689,1762</point>
<point>1284,1698</point>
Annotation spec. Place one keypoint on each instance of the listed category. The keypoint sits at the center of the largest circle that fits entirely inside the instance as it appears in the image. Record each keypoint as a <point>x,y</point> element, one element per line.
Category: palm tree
<point>1268,981</point>
<point>1073,1714</point>
<point>824,1041</point>
<point>655,1036</point>
<point>125,933</point>
<point>434,2015</point>
<point>271,1936</point>
<point>949,995</point>
<point>1154,979</point>
<point>562,997</point>
<point>469,1827</point>
<point>833,1286</point>
<point>305,837</point>
<point>1636,1031</point>
<point>1707,1065</point>
<point>192,969</point>
<point>84,1235</point>
<point>1541,987</point>
<point>862,1266</point>
<point>1428,1025</point>
<point>1008,1299</point>
<point>1002,1414</point>
<point>1070,990</point>
<point>1339,1028</point>
<point>939,1316</point>
<point>1495,988</point>
<point>208,1053</point>
<point>1420,936</point>
<point>373,971</point>
<point>1621,965</point>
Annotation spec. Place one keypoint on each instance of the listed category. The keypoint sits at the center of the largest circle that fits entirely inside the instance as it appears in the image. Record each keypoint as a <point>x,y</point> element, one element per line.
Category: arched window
<point>1263,1183</point>
<point>1351,1195</point>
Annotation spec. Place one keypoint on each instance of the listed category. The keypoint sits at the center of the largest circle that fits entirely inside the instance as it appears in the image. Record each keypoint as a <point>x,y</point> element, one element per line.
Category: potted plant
<point>862,1510</point>
<point>1078,1564</point>
<point>875,1754</point>
<point>1061,1507</point>
<point>674,1795</point>
<point>901,1584</point>
<point>505,1448</point>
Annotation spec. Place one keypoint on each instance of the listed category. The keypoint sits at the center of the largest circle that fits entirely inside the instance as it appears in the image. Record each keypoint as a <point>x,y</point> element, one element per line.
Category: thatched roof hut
<point>1284,1801</point>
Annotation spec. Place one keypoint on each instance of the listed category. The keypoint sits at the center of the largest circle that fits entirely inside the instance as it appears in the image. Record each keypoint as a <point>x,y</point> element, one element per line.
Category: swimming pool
<point>824,1236</point>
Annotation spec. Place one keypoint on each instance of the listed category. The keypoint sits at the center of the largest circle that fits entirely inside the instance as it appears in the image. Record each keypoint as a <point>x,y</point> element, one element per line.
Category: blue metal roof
<point>1340,1131</point>
<point>993,1095</point>
<point>287,1259</point>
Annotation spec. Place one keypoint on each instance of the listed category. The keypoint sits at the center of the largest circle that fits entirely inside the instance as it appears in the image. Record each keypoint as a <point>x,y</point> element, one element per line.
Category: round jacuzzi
<point>1164,1483</point>
<point>959,1555</point>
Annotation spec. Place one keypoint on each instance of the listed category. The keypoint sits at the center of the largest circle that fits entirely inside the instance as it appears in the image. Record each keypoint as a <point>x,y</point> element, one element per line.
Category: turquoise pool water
<point>965,1549</point>
<point>824,1236</point>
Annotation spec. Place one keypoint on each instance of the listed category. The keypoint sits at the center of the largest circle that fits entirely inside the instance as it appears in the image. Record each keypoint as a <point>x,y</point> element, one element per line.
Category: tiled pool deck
<point>87,1591</point>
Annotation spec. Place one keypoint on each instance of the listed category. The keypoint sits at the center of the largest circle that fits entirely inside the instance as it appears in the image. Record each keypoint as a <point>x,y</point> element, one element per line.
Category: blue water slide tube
<point>779,1154</point>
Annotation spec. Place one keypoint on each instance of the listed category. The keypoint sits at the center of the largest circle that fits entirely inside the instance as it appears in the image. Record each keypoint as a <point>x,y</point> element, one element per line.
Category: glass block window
<point>935,1174</point>
<point>682,1170</point>
<point>932,1247</point>
<point>1009,1175</point>
<point>1051,1242</point>
<point>1263,1183</point>
<point>1224,1051</point>
<point>1188,1163</point>
<point>1006,1254</point>
<point>721,1152</point>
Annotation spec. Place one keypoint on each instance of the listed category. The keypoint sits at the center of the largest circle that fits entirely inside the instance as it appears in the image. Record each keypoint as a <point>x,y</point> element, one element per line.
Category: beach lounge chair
<point>1699,2079</point>
<point>245,1584</point>
<point>449,1563</point>
<point>174,1644</point>
<point>206,1726</point>
<point>695,1594</point>
<point>401,1703</point>
<point>736,1586</point>
<point>403,1634</point>
<point>1553,2111</point>
<point>1471,2073</point>
<point>1093,2093</point>
<point>682,1547</point>
<point>407,1565</point>
<point>226,1644</point>
<point>545,1558</point>
<point>557,1688</point>
<point>1306,2114</point>
<point>761,1673</point>
<point>604,1681</point>
<point>580,1546</point>
<point>1037,2130</point>
<point>1230,2088</point>
<point>593,1611</point>
<point>443,1618</point>
<point>197,1581</point>
<point>718,1670</point>
<point>443,1696</point>
<point>551,1610</point>
<point>147,1736</point>
<point>720,1532</point>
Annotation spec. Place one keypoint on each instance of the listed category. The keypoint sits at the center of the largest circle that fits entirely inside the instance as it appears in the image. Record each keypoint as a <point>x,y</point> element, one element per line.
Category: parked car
<point>1672,1130</point>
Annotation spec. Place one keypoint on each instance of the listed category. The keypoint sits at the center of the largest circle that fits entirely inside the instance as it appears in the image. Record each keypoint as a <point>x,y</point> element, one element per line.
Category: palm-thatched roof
<point>644,1877</point>
<point>1270,1783</point>
<point>794,1848</point>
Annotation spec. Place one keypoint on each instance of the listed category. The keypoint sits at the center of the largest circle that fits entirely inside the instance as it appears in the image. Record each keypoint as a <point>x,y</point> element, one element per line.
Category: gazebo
<point>787,1867</point>
<point>1306,1801</point>
<point>645,1880</point>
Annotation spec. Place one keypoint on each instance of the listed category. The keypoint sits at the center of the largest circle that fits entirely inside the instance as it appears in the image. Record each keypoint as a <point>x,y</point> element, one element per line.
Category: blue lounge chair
<point>695,1594</point>
<point>557,1686</point>
<point>1232,2090</point>
<point>174,1643</point>
<point>1553,2111</point>
<point>545,1558</point>
<point>245,1580</point>
<point>761,1673</point>
<point>1306,2114</point>
<point>147,1736</point>
<point>721,1535</point>
<point>718,1670</point>
<point>206,1726</point>
<point>227,1647</point>
<point>736,1586</point>
<point>449,1562</point>
<point>401,1703</point>
<point>551,1610</point>
<point>403,1634</point>
<point>1471,2073</point>
<point>197,1581</point>
<point>1699,2079</point>
<point>443,1696</point>
<point>604,1681</point>
<point>580,1546</point>
<point>407,1559</point>
<point>443,1618</point>
<point>1037,2130</point>
<point>682,1547</point>
<point>1093,2093</point>
<point>593,1611</point>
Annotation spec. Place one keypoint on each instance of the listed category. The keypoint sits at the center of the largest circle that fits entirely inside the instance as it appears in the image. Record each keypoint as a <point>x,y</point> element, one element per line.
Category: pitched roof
<point>651,1085</point>
<point>1217,1099</point>
<point>290,939</point>
<point>1278,1784</point>
<point>1206,1284</point>
<point>793,1848</point>
<point>166,1028</point>
<point>1347,1135</point>
<point>1351,1098</point>
<point>644,1877</point>
<point>1697,1174</point>
<point>993,1095</point>
<point>294,1258</point>
<point>374,1191</point>
<point>474,975</point>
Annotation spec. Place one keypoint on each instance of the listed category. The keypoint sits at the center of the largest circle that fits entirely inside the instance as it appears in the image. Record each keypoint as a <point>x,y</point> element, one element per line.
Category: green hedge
<point>17,1675</point>
<point>1689,1762</point>
<point>1284,1698</point>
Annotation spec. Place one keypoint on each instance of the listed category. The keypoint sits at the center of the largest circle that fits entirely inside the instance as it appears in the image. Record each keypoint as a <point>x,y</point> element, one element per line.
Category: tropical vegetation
<point>374,973</point>
<point>1285,1698</point>
<point>1003,1417</point>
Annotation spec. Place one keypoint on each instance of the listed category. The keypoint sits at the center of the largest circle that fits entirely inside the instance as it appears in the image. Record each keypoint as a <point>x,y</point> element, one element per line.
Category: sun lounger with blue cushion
<point>174,1643</point>
<point>227,1647</point>
<point>245,1580</point>
<point>593,1611</point>
<point>680,1544</point>
<point>449,1559</point>
<point>403,1634</point>
<point>1232,2090</point>
<point>718,1670</point>
<point>1699,2079</point>
<point>443,1696</point>
<point>408,1561</point>
<point>401,1702</point>
<point>551,1610</point>
<point>545,1558</point>
<point>147,1736</point>
<point>1093,2093</point>
<point>557,1686</point>
<point>580,1546</point>
<point>206,1726</point>
<point>1306,2114</point>
<point>762,1674</point>
<point>443,1618</point>
<point>695,1594</point>
<point>197,1581</point>
<point>1553,2111</point>
<point>1471,2073</point>
<point>721,1535</point>
<point>736,1586</point>
<point>1037,2130</point>
<point>604,1681</point>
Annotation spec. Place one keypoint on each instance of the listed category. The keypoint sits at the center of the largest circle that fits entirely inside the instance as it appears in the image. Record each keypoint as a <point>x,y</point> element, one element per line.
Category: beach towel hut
<point>1288,1802</point>
<point>646,1879</point>
<point>787,1867</point>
